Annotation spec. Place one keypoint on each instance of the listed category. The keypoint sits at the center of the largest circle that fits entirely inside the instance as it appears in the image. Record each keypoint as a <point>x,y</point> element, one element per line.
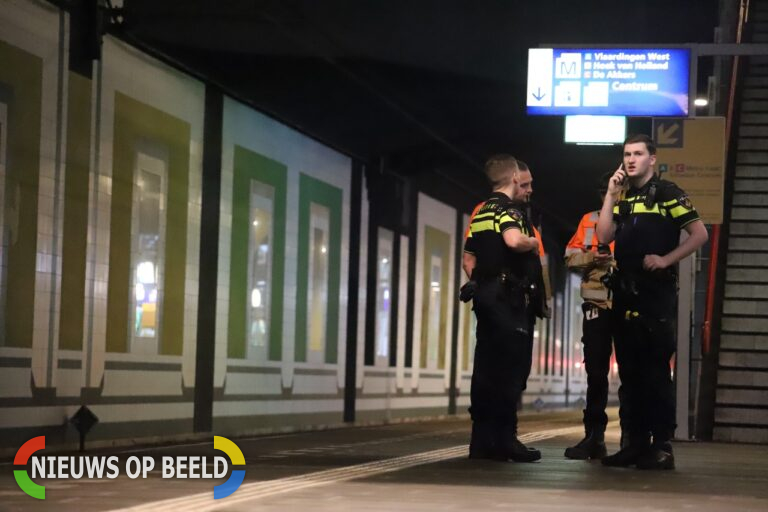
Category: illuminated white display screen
<point>595,129</point>
<point>628,82</point>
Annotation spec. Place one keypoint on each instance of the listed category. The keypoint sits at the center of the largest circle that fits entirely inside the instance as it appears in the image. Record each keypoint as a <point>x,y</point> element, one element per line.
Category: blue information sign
<point>622,82</point>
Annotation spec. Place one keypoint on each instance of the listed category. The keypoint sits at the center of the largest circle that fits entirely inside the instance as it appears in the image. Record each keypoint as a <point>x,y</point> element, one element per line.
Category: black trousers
<point>503,353</point>
<point>646,339</point>
<point>597,328</point>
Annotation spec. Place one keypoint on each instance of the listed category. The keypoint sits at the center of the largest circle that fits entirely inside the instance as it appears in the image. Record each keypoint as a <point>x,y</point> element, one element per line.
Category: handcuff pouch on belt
<point>467,291</point>
<point>517,291</point>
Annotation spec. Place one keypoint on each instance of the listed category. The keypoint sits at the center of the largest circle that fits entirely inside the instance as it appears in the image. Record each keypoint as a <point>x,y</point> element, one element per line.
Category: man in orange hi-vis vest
<point>594,262</point>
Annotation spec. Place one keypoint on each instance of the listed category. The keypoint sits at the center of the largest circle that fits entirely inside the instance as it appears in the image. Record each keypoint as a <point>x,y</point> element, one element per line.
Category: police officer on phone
<point>500,257</point>
<point>595,263</point>
<point>645,219</point>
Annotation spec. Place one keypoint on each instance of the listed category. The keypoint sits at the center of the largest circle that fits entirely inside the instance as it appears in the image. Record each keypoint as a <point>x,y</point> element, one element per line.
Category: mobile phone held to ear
<point>624,177</point>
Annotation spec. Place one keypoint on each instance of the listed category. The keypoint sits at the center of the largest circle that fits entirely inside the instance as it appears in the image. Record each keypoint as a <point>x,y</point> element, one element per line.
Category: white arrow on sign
<point>664,134</point>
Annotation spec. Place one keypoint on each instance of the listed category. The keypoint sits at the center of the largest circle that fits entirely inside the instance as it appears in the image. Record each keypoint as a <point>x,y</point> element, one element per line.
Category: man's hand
<point>654,262</point>
<point>601,257</point>
<point>616,183</point>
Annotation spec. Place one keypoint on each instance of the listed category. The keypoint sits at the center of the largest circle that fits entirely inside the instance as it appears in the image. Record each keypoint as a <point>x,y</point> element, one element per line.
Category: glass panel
<point>435,306</point>
<point>538,338</point>
<point>383,294</point>
<point>260,269</point>
<point>319,228</point>
<point>4,230</point>
<point>557,355</point>
<point>147,261</point>
<point>470,336</point>
<point>576,326</point>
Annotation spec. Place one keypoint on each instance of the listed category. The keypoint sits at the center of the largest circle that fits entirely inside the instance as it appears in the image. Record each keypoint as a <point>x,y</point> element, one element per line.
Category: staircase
<point>741,406</point>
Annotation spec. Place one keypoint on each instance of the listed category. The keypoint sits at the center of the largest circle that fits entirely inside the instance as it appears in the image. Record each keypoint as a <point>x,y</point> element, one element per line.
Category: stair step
<point>741,415</point>
<point>752,157</point>
<point>757,397</point>
<point>748,244</point>
<point>760,60</point>
<point>759,27</point>
<point>735,434</point>
<point>754,93</point>
<point>742,378</point>
<point>760,15</point>
<point>746,291</point>
<point>741,341</point>
<point>748,275</point>
<point>752,171</point>
<point>747,324</point>
<point>741,199</point>
<point>749,228</point>
<point>756,81</point>
<point>750,185</point>
<point>750,118</point>
<point>746,360</point>
<point>740,213</point>
<point>755,105</point>
<point>744,307</point>
<point>753,130</point>
<point>752,144</point>
<point>748,259</point>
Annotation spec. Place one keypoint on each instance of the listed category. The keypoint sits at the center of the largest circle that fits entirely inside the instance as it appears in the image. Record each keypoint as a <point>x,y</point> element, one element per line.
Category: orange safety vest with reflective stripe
<point>542,254</point>
<point>579,256</point>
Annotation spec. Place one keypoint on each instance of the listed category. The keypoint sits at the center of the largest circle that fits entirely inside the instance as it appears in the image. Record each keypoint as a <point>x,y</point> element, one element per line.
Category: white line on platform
<point>248,492</point>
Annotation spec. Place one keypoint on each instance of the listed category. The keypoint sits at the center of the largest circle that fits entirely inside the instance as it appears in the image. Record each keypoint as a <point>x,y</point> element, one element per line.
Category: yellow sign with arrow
<point>691,153</point>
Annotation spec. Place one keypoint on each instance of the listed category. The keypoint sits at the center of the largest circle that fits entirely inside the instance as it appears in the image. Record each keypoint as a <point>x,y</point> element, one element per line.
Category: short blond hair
<point>499,170</point>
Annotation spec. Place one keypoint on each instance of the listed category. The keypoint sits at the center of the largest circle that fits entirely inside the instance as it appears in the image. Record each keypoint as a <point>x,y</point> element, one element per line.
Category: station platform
<point>416,466</point>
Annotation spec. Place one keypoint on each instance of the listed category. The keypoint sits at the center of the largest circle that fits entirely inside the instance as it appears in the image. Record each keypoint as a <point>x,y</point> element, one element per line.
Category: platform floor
<point>420,466</point>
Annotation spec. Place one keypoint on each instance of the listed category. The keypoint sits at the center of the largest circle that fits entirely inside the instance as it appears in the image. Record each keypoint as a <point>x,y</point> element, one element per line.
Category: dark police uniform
<point>648,221</point>
<point>507,289</point>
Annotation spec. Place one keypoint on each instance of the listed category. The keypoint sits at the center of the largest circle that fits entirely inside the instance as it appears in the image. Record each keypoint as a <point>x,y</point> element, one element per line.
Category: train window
<point>317,310</point>
<point>260,250</point>
<point>148,243</point>
<point>383,295</point>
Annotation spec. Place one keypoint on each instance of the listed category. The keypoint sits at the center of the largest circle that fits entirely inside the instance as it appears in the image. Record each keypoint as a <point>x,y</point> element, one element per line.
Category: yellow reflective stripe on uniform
<point>483,225</point>
<point>678,211</point>
<point>669,203</point>
<point>616,209</point>
<point>485,215</point>
<point>641,208</point>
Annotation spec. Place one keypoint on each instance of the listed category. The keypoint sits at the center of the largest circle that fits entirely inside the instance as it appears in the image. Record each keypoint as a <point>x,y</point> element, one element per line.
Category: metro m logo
<point>568,65</point>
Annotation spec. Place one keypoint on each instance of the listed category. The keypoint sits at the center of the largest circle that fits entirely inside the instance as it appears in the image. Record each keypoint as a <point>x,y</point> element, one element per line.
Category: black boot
<point>517,451</point>
<point>658,457</point>
<point>485,442</point>
<point>591,447</point>
<point>628,456</point>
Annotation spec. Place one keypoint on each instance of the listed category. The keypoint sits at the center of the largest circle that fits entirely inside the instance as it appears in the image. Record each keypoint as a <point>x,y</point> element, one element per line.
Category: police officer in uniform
<point>594,262</point>
<point>501,257</point>
<point>645,221</point>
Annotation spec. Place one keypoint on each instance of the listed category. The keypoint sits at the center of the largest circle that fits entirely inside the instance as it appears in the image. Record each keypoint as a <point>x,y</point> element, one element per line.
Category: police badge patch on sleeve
<point>685,202</point>
<point>515,215</point>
